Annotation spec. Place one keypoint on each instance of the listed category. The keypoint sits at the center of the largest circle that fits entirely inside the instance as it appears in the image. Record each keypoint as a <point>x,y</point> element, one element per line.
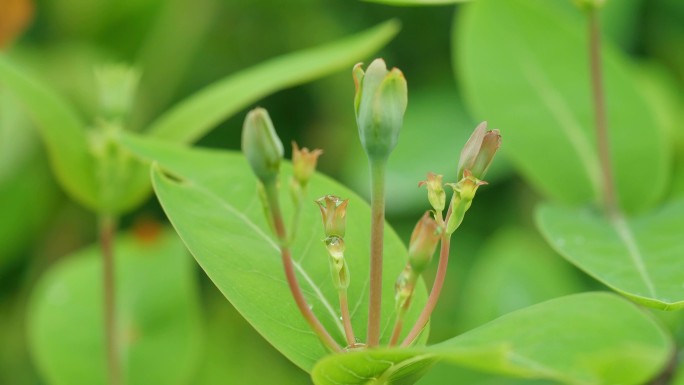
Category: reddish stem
<point>107,234</point>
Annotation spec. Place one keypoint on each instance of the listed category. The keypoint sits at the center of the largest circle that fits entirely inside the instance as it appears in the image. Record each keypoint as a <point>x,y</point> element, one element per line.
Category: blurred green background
<point>500,263</point>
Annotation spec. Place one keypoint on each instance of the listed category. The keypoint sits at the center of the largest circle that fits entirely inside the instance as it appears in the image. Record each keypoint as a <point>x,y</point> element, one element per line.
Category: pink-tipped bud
<point>304,163</point>
<point>479,151</point>
<point>334,212</point>
<point>436,194</point>
<point>423,242</point>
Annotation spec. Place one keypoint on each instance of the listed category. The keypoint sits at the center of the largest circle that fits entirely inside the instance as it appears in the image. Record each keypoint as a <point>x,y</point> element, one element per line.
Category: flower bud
<point>403,288</point>
<point>436,194</point>
<point>261,145</point>
<point>423,242</point>
<point>379,103</point>
<point>464,193</point>
<point>479,151</point>
<point>117,84</point>
<point>334,212</point>
<point>304,163</point>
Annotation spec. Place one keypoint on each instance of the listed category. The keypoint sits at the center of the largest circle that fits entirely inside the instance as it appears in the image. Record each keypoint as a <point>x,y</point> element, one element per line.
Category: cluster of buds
<point>334,213</point>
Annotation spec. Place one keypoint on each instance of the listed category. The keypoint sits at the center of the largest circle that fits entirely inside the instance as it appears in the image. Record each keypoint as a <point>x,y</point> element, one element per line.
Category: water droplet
<point>340,318</point>
<point>310,307</point>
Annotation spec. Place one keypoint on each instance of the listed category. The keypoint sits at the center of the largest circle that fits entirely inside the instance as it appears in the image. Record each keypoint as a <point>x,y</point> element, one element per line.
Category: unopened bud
<point>403,288</point>
<point>464,193</point>
<point>380,102</point>
<point>117,84</point>
<point>334,213</point>
<point>304,163</point>
<point>436,194</point>
<point>479,151</point>
<point>423,242</point>
<point>261,145</point>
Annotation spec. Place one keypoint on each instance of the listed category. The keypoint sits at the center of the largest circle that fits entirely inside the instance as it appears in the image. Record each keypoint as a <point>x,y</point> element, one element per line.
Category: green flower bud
<point>423,242</point>
<point>403,289</point>
<point>117,84</point>
<point>379,103</point>
<point>436,194</point>
<point>338,264</point>
<point>464,193</point>
<point>479,151</point>
<point>334,212</point>
<point>261,145</point>
<point>304,163</point>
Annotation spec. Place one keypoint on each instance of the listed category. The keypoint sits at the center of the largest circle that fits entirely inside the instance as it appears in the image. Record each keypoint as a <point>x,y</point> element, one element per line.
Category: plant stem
<point>346,318</point>
<point>377,235</point>
<point>436,286</point>
<point>609,195</point>
<point>107,226</point>
<point>297,294</point>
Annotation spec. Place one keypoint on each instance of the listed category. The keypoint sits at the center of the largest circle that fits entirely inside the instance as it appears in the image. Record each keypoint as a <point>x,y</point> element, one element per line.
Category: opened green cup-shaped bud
<point>261,145</point>
<point>423,242</point>
<point>479,151</point>
<point>436,194</point>
<point>379,103</point>
<point>334,213</point>
<point>304,163</point>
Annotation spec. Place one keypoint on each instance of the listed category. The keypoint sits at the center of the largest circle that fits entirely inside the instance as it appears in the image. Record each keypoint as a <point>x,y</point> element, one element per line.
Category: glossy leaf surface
<point>158,316</point>
<point>588,339</point>
<point>524,68</point>
<point>211,199</point>
<point>639,257</point>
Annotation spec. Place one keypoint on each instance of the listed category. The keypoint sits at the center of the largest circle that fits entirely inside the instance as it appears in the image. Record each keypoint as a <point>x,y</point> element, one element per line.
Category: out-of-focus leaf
<point>515,270</point>
<point>62,131</point>
<point>445,373</point>
<point>212,201</point>
<point>523,66</point>
<point>15,16</point>
<point>639,257</point>
<point>157,313</point>
<point>235,353</point>
<point>196,115</point>
<point>435,129</point>
<point>417,2</point>
<point>589,339</point>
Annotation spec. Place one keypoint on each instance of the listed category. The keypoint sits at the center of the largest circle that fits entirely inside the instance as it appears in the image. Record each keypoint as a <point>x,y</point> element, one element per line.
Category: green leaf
<point>588,339</point>
<point>157,312</point>
<point>196,115</point>
<point>523,66</point>
<point>62,130</point>
<point>639,257</point>
<point>211,199</point>
<point>417,2</point>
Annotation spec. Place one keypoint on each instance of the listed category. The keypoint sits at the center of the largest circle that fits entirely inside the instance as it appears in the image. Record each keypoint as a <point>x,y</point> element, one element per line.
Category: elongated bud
<point>423,242</point>
<point>436,194</point>
<point>304,163</point>
<point>261,145</point>
<point>338,264</point>
<point>479,151</point>
<point>334,213</point>
<point>117,84</point>
<point>379,103</point>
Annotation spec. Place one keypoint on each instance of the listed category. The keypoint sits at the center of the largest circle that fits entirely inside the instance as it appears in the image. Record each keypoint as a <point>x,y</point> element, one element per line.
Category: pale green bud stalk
<point>379,103</point>
<point>464,193</point>
<point>117,85</point>
<point>338,265</point>
<point>436,194</point>
<point>262,146</point>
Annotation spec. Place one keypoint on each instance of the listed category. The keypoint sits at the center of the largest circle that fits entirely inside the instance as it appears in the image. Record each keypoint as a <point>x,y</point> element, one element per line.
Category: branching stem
<point>297,294</point>
<point>377,235</point>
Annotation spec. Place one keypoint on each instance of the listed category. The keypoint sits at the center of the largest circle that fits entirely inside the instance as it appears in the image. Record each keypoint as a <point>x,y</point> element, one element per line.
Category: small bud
<point>338,265</point>
<point>436,194</point>
<point>117,84</point>
<point>403,288</point>
<point>479,151</point>
<point>423,242</point>
<point>304,163</point>
<point>261,145</point>
<point>334,212</point>
<point>379,103</point>
<point>464,193</point>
